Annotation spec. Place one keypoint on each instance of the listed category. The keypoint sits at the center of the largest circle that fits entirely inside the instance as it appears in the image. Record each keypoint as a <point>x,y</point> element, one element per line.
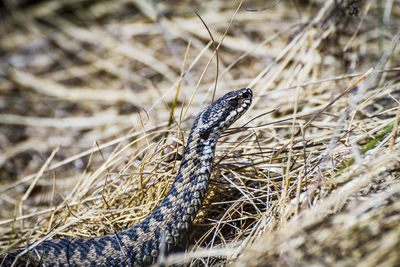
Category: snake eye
<point>233,102</point>
<point>246,95</point>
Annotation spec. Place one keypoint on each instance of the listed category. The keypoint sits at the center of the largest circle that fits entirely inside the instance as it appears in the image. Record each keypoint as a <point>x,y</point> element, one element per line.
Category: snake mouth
<point>236,104</point>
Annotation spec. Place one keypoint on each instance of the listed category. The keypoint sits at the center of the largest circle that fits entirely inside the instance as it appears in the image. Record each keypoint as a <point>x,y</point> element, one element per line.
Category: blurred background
<point>97,98</point>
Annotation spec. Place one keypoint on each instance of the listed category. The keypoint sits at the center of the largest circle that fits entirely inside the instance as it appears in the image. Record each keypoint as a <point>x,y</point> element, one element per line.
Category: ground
<point>97,99</point>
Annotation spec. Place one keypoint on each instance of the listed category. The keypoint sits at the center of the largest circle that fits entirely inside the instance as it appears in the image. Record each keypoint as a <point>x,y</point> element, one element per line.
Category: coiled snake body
<point>163,228</point>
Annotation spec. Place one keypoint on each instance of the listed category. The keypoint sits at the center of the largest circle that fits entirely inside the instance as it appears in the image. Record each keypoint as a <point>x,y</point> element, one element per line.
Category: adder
<point>142,244</point>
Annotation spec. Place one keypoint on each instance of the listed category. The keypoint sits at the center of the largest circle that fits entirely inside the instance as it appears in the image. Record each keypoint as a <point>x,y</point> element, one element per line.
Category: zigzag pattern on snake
<point>164,227</point>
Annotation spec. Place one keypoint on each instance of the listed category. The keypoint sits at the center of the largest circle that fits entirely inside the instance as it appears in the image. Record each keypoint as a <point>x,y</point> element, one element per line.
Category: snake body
<point>160,231</point>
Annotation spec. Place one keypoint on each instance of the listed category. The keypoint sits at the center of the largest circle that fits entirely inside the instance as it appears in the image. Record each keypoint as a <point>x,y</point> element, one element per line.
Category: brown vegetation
<point>97,98</point>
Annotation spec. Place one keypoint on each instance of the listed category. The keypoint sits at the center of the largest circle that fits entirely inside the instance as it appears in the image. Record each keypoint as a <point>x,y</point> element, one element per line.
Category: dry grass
<point>309,176</point>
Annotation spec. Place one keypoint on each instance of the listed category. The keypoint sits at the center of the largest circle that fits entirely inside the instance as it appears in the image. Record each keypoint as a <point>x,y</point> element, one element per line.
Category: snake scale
<point>141,244</point>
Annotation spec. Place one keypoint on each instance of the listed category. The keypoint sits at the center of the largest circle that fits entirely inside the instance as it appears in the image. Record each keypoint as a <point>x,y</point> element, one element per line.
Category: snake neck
<point>184,199</point>
<point>170,220</point>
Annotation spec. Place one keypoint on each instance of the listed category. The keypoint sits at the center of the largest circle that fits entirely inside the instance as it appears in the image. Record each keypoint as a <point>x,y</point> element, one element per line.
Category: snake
<point>158,233</point>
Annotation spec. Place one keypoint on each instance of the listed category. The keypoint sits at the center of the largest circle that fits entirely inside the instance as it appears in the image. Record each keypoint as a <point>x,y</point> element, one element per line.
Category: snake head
<point>224,112</point>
